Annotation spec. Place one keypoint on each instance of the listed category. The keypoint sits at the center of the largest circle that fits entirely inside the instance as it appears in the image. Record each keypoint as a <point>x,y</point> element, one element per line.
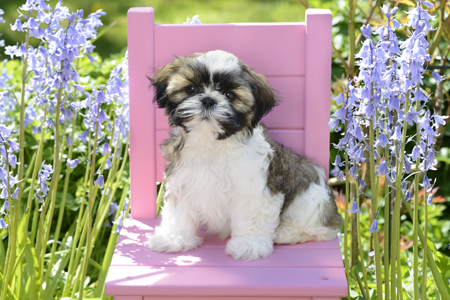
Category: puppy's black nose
<point>208,102</point>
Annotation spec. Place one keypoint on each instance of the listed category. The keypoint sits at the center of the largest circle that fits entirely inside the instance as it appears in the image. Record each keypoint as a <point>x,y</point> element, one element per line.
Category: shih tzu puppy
<point>224,171</point>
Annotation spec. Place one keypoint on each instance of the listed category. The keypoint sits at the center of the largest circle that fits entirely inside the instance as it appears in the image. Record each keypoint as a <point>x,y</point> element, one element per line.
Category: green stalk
<point>18,205</point>
<point>441,286</point>
<point>416,219</point>
<point>374,186</point>
<point>80,248</point>
<point>160,197</point>
<point>90,204</point>
<point>30,166</point>
<point>21,122</point>
<point>52,190</point>
<point>11,261</point>
<point>399,275</point>
<point>33,180</point>
<point>112,242</point>
<point>63,204</point>
<point>363,264</point>
<point>397,203</point>
<point>387,206</point>
<point>71,270</point>
<point>104,206</point>
<point>425,246</point>
<point>347,200</point>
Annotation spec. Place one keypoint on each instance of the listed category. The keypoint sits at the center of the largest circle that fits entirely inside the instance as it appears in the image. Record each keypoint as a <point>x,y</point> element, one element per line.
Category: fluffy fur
<point>223,169</point>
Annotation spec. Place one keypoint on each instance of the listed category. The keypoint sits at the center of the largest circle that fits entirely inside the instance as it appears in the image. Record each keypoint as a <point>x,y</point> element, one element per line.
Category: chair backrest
<point>295,58</point>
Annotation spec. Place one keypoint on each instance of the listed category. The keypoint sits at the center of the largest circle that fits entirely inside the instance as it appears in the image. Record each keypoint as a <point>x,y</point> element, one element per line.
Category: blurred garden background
<point>110,47</point>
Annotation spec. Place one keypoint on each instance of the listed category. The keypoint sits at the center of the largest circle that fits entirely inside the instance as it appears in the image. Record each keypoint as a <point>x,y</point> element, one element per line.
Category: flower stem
<point>52,191</point>
<point>387,225</point>
<point>63,204</point>
<point>374,186</point>
<point>441,286</point>
<point>22,117</point>
<point>80,223</point>
<point>424,245</point>
<point>397,204</point>
<point>100,289</point>
<point>416,219</point>
<point>363,264</point>
<point>346,219</point>
<point>90,205</point>
<point>12,234</point>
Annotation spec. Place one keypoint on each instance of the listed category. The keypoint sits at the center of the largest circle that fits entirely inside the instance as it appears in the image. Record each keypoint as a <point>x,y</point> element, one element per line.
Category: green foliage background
<point>112,44</point>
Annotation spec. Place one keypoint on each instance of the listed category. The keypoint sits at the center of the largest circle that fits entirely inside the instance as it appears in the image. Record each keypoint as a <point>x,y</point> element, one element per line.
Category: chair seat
<point>306,271</point>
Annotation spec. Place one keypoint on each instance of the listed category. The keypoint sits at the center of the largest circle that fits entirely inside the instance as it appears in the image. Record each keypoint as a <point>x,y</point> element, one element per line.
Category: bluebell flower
<point>12,160</point>
<point>426,183</point>
<point>439,120</point>
<point>3,225</point>
<point>105,148</point>
<point>430,199</point>
<point>195,20</point>
<point>358,134</point>
<point>102,117</point>
<point>374,227</point>
<point>407,195</point>
<point>366,31</point>
<point>69,140</point>
<point>436,76</point>
<point>397,135</point>
<point>382,141</point>
<point>382,169</point>
<point>14,146</point>
<point>83,136</point>
<point>17,26</point>
<point>352,171</point>
<point>362,184</point>
<point>100,181</point>
<point>44,175</point>
<point>72,163</point>
<point>119,221</point>
<point>15,194</point>
<point>354,209</point>
<point>5,206</point>
<point>334,125</point>
<point>339,99</point>
<point>108,164</point>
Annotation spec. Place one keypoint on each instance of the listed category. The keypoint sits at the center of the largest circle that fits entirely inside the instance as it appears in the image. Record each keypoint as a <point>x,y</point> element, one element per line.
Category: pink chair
<point>296,59</point>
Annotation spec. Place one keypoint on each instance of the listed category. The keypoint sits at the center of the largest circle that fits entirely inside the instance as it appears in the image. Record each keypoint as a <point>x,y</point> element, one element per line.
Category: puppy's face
<point>212,89</point>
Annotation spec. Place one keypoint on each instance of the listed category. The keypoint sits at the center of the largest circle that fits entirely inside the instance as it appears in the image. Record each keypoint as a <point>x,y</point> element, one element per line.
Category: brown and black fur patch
<point>171,149</point>
<point>292,174</point>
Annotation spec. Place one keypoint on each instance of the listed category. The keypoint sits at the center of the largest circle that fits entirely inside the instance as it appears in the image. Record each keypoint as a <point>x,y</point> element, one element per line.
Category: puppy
<point>223,169</point>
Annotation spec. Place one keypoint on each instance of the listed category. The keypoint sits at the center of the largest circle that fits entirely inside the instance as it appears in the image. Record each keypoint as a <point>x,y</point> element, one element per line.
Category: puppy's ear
<point>160,81</point>
<point>266,97</point>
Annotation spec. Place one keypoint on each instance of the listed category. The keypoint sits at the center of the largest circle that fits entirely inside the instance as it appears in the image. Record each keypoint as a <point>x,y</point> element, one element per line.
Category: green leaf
<point>33,269</point>
<point>56,277</point>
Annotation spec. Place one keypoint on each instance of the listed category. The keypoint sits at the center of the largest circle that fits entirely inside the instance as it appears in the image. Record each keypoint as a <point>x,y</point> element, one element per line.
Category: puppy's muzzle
<point>208,102</point>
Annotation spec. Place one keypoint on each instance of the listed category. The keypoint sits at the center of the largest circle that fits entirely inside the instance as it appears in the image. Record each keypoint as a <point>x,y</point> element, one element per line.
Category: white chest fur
<point>214,178</point>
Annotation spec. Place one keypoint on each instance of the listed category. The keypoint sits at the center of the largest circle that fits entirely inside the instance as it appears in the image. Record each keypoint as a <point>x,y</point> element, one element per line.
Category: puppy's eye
<point>230,95</point>
<point>190,90</point>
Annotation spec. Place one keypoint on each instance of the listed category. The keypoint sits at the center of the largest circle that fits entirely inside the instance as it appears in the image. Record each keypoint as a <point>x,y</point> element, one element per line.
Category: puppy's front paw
<point>249,248</point>
<point>173,243</point>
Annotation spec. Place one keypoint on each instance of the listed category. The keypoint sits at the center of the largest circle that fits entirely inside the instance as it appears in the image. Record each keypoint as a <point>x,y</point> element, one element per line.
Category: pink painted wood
<point>296,59</point>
